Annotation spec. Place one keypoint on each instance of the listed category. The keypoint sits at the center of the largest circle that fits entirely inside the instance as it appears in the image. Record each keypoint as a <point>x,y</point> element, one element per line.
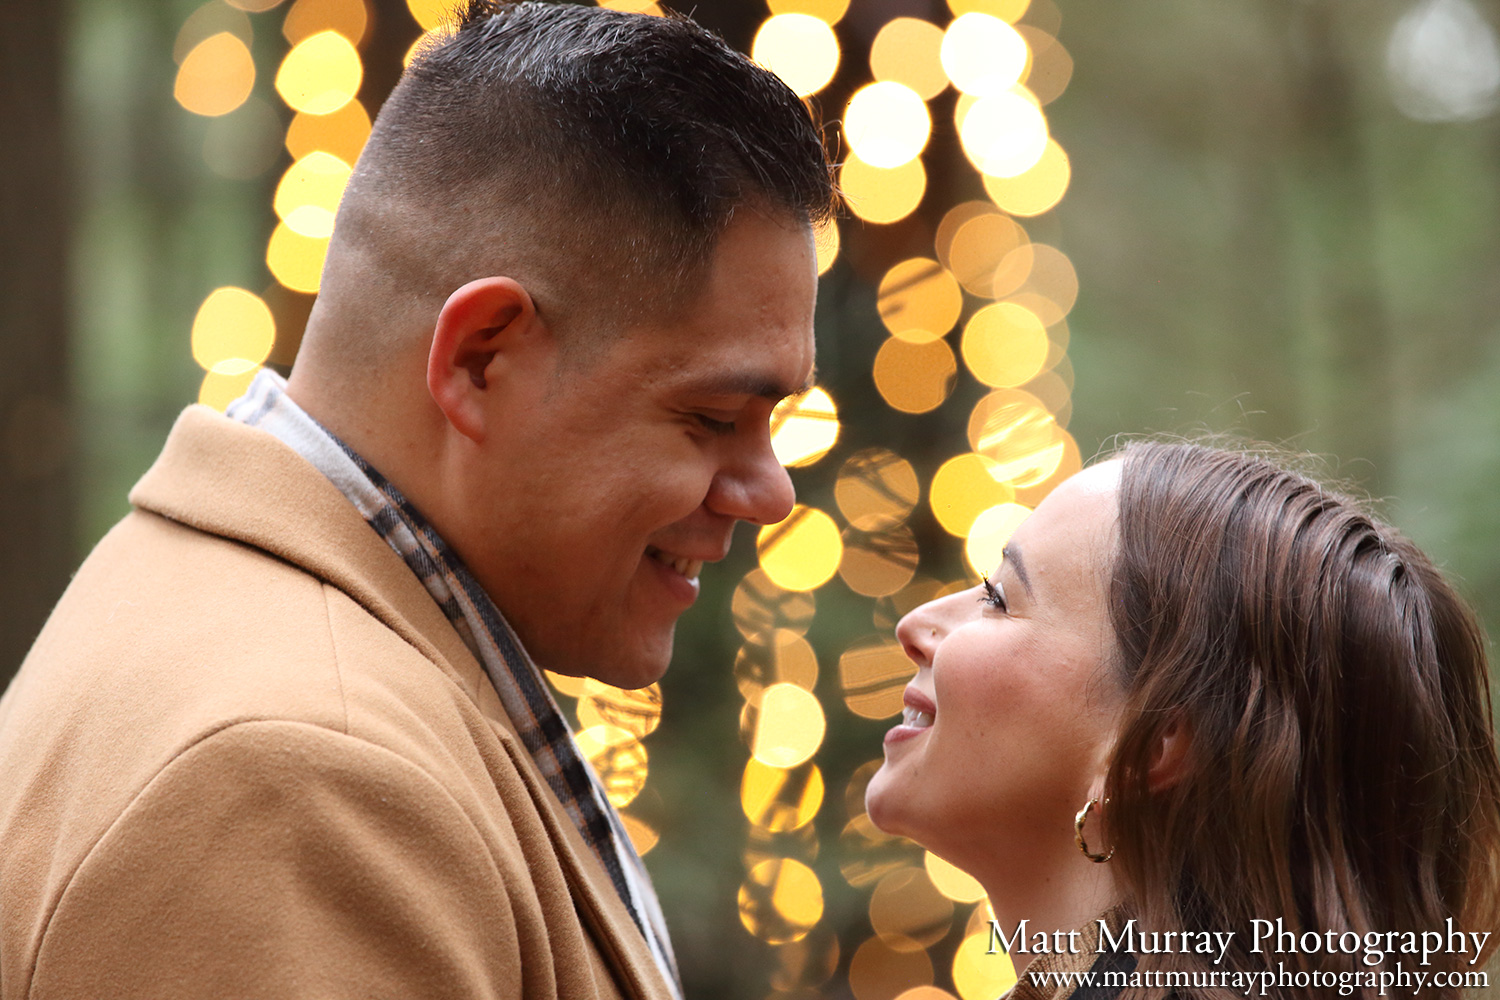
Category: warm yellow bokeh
<point>829,11</point>
<point>210,19</point>
<point>953,882</point>
<point>570,686</point>
<point>780,900</point>
<point>979,245</point>
<point>919,300</point>
<point>1051,66</point>
<point>983,55</point>
<point>978,975</point>
<point>321,74</point>
<point>233,332</point>
<point>1004,134</point>
<point>906,50</point>
<point>635,710</point>
<point>878,195</point>
<point>308,196</point>
<point>925,993</point>
<point>804,427</point>
<point>991,530</point>
<point>964,487</point>
<point>873,673</point>
<point>253,6</point>
<point>879,972</point>
<point>634,6</point>
<point>879,563</point>
<point>216,76</point>
<point>1018,435</point>
<point>619,759</point>
<point>430,14</point>
<point>342,133</point>
<point>1038,189</point>
<point>759,606</point>
<point>1004,345</point>
<point>826,244</point>
<point>308,17</point>
<point>219,390</point>
<point>886,124</point>
<point>789,726</point>
<point>875,488</point>
<point>799,48</point>
<point>915,377</point>
<point>782,657</point>
<point>1049,283</point>
<point>907,912</point>
<point>1005,10</point>
<point>780,799</point>
<point>296,260</point>
<point>642,837</point>
<point>427,39</point>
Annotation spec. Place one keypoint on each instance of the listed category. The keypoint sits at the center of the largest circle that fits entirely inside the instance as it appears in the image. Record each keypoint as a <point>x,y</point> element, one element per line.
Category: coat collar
<point>223,478</point>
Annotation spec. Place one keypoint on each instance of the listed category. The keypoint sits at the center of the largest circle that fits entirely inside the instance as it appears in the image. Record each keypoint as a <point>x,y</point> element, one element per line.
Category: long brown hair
<point>1333,691</point>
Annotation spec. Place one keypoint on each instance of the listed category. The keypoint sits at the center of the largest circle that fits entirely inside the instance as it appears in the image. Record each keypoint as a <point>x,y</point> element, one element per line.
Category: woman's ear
<point>1169,758</point>
<point>482,328</point>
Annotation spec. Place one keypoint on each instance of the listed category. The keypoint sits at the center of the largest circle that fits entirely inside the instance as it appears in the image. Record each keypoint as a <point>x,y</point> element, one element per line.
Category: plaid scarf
<point>484,630</point>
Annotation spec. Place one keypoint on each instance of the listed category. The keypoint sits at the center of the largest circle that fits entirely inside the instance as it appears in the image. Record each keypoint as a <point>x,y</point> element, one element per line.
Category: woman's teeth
<point>915,719</point>
<point>689,568</point>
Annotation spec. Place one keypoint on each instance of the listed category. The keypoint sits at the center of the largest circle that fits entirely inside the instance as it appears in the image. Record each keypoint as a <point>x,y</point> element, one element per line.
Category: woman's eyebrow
<point>1011,556</point>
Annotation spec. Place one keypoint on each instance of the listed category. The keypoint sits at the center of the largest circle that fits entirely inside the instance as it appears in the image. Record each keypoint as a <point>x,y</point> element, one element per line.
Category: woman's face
<point>1011,717</point>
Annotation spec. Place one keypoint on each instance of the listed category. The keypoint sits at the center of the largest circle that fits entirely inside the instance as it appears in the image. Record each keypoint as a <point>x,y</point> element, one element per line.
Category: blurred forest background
<point>1284,221</point>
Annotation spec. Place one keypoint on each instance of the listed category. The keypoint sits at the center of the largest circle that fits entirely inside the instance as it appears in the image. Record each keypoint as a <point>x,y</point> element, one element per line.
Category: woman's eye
<point>993,595</point>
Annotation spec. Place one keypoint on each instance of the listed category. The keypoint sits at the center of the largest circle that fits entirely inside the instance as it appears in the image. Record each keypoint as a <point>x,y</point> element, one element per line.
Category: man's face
<point>627,469</point>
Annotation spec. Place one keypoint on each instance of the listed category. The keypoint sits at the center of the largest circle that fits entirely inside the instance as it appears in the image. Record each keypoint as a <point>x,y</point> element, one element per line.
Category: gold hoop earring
<point>1083,815</point>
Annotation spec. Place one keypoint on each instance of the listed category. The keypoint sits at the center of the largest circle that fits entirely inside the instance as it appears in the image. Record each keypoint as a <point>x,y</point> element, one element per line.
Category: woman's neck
<point>1046,900</point>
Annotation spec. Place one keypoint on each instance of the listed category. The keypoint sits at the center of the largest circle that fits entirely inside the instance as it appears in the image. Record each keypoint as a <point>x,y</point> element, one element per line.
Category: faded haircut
<point>593,154</point>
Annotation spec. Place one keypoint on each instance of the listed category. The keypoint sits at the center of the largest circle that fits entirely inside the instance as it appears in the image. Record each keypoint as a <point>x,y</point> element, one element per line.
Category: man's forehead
<point>763,382</point>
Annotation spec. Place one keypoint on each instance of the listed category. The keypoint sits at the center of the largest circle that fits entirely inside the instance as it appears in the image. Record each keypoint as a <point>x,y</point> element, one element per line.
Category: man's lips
<point>916,717</point>
<point>685,565</point>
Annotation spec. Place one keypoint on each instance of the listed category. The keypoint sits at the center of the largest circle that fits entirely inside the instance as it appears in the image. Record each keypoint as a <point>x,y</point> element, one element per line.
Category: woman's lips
<point>916,717</point>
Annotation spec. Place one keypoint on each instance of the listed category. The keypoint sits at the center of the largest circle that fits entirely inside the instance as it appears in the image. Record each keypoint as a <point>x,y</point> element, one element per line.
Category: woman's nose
<point>918,634</point>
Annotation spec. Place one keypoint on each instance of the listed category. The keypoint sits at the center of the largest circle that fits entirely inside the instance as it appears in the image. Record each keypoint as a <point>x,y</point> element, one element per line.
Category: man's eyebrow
<point>764,386</point>
<point>1011,556</point>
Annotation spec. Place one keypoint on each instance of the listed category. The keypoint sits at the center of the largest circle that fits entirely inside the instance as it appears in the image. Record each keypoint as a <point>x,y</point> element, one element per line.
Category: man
<point>285,735</point>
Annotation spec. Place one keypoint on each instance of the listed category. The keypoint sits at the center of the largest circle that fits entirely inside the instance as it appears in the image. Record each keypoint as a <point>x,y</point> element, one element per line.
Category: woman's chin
<point>884,804</point>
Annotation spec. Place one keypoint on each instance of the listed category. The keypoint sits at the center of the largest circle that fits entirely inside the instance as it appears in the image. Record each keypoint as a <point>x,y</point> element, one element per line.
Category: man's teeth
<point>915,719</point>
<point>689,568</point>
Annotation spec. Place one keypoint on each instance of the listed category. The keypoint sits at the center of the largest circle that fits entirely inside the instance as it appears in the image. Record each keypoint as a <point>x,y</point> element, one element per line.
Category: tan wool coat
<point>249,757</point>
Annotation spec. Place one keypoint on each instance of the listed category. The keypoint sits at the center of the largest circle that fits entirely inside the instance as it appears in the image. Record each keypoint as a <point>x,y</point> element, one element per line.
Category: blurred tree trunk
<point>36,495</point>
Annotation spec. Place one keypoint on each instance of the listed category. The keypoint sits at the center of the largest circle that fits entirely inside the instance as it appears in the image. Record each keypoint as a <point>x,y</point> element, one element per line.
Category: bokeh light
<point>914,377</point>
<point>828,11</point>
<point>919,300</point>
<point>952,881</point>
<point>886,124</point>
<point>1004,134</point>
<point>907,913</point>
<point>805,964</point>
<point>780,900</point>
<point>320,75</point>
<point>308,196</point>
<point>1018,437</point>
<point>432,14</point>
<point>789,726</point>
<point>780,799</point>
<point>983,55</point>
<point>799,48</point>
<point>873,673</point>
<point>618,758</point>
<point>233,332</point>
<point>759,606</point>
<point>1038,189</point>
<point>218,390</point>
<point>296,260</point>
<point>642,837</point>
<point>1050,285</point>
<point>306,18</point>
<point>977,247</point>
<point>801,552</point>
<point>906,50</point>
<point>989,533</point>
<point>342,133</point>
<point>869,853</point>
<point>1051,66</point>
<point>879,195</point>
<point>880,562</point>
<point>879,972</point>
<point>1005,345</point>
<point>1006,10</point>
<point>781,656</point>
<point>216,76</point>
<point>826,244</point>
<point>978,975</point>
<point>964,487</point>
<point>876,487</point>
<point>637,711</point>
<point>804,427</point>
<point>208,20</point>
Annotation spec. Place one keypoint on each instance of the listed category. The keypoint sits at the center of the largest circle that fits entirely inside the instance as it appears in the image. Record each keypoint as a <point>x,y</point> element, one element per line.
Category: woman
<point>1205,694</point>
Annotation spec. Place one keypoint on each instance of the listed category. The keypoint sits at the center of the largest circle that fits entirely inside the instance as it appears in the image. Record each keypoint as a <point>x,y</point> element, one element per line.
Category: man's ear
<point>484,329</point>
<point>1170,757</point>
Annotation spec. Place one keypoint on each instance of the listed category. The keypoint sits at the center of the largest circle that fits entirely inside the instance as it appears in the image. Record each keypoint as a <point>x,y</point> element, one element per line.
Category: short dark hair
<point>633,139</point>
<point>1342,772</point>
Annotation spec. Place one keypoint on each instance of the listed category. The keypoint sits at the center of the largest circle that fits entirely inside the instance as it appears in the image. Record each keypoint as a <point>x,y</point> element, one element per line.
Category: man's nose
<point>753,486</point>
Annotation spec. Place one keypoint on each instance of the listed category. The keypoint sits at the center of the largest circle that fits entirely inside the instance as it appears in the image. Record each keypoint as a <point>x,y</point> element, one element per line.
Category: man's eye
<point>992,595</point>
<point>713,425</point>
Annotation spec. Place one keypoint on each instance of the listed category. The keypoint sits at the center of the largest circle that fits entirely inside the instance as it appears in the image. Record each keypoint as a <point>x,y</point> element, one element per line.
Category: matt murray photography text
<point>1266,936</point>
